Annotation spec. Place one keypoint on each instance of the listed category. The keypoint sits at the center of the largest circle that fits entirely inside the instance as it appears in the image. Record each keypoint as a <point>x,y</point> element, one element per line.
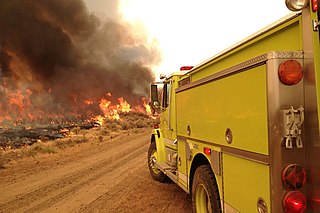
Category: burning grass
<point>20,147</point>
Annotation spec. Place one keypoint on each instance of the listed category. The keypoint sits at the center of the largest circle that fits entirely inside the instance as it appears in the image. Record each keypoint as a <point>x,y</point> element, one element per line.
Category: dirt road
<point>109,176</point>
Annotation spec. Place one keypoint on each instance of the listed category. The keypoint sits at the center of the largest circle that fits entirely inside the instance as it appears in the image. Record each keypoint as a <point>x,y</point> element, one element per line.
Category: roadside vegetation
<point>130,123</point>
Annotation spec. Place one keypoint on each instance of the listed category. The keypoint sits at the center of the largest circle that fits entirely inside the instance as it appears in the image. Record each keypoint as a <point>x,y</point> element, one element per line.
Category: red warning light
<point>294,202</point>
<point>207,151</point>
<point>315,5</point>
<point>186,68</point>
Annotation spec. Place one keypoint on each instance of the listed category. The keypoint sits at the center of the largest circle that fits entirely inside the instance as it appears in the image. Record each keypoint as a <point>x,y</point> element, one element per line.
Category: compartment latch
<point>316,25</point>
<point>292,122</point>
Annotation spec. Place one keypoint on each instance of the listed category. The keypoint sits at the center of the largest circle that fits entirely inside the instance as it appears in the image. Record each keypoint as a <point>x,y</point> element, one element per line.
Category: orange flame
<point>113,111</point>
<point>123,105</point>
<point>147,106</point>
<point>19,107</point>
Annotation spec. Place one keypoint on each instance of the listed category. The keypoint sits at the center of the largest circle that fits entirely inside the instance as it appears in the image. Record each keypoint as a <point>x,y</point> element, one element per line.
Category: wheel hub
<point>202,200</point>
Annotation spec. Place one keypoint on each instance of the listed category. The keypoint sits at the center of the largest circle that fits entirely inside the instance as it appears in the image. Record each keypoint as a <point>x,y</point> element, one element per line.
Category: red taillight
<point>294,176</point>
<point>315,5</point>
<point>294,202</point>
<point>186,68</point>
<point>155,126</point>
<point>290,72</point>
<point>207,151</point>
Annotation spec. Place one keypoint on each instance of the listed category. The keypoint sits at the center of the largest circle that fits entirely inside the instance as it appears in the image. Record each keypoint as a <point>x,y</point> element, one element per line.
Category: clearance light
<point>296,5</point>
<point>294,176</point>
<point>315,5</point>
<point>207,151</point>
<point>186,68</point>
<point>290,72</point>
<point>294,202</point>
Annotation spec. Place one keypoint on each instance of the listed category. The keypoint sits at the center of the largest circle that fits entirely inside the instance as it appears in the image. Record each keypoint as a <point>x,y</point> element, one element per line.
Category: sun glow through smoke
<point>190,32</point>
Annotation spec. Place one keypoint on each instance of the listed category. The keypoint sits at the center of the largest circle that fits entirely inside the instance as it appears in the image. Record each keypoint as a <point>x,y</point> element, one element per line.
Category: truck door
<point>165,116</point>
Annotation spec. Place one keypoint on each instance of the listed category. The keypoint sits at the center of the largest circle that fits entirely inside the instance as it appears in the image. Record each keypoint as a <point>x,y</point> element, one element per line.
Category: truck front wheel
<point>152,159</point>
<point>205,194</point>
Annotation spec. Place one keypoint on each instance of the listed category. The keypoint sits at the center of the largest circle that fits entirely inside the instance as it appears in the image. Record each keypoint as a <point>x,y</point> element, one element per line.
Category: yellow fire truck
<point>240,131</point>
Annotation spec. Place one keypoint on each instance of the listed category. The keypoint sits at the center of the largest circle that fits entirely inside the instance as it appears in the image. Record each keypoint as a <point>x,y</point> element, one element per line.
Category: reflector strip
<point>294,176</point>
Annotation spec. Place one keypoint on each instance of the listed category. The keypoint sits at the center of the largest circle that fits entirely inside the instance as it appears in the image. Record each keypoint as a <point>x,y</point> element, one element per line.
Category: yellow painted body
<point>244,182</point>
<point>183,167</point>
<point>237,102</point>
<point>199,151</point>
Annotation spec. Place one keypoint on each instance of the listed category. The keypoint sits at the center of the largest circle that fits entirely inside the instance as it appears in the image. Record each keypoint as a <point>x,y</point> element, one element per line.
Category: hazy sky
<point>189,31</point>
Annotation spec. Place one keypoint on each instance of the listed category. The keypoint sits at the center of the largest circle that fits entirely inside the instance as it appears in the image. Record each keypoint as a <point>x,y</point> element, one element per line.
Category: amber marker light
<point>290,72</point>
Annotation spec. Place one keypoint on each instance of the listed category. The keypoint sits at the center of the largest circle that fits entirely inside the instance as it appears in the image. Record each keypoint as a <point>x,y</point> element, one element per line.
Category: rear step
<point>168,170</point>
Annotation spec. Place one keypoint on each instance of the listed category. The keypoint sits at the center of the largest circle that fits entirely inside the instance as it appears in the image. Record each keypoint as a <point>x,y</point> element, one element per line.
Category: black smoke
<point>59,54</point>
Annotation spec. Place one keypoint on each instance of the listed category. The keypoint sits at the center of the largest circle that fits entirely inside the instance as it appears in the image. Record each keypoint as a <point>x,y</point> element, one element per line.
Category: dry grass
<point>130,123</point>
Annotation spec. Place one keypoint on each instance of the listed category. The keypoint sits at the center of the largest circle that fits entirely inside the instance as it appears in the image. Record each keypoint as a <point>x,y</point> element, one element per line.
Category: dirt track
<point>110,176</point>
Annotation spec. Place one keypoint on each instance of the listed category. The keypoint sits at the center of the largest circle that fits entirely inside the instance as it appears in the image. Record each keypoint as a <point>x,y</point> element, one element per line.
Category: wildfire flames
<point>113,111</point>
<point>20,106</point>
<point>58,61</point>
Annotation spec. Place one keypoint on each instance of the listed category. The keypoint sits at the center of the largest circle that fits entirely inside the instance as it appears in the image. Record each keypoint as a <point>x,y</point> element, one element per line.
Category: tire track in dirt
<point>112,176</point>
<point>138,192</point>
<point>48,195</point>
<point>44,205</point>
<point>117,194</point>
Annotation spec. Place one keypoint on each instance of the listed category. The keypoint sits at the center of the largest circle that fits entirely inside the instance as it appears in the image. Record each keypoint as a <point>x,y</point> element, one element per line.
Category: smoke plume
<point>55,55</point>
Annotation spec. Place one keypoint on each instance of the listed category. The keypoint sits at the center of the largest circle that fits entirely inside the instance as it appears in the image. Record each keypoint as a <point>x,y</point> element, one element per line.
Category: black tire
<point>205,192</point>
<point>155,172</point>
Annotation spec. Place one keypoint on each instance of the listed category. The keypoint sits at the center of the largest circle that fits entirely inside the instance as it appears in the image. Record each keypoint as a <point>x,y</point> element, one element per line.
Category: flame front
<point>147,106</point>
<point>112,111</point>
<point>18,107</point>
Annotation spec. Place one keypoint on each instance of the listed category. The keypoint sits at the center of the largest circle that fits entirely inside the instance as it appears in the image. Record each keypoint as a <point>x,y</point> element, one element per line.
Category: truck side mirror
<point>154,96</point>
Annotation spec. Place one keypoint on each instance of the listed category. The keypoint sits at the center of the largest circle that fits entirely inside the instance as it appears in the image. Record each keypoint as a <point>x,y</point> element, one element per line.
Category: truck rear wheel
<point>205,194</point>
<point>152,159</point>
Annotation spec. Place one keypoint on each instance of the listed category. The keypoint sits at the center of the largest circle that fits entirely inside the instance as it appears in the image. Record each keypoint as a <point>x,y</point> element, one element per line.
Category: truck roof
<point>249,38</point>
<point>177,73</point>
